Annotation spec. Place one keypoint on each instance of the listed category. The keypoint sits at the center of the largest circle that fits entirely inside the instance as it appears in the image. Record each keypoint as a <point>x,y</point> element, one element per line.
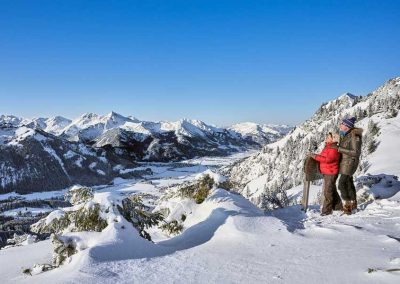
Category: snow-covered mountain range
<point>52,153</point>
<point>100,131</point>
<point>280,165</point>
<point>261,133</point>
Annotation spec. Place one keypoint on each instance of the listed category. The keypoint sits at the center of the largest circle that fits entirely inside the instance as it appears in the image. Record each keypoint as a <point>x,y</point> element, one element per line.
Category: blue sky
<point>218,61</point>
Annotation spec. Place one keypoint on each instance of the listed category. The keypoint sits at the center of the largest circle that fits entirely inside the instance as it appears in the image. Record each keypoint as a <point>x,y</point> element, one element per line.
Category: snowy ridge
<point>131,138</point>
<point>90,126</point>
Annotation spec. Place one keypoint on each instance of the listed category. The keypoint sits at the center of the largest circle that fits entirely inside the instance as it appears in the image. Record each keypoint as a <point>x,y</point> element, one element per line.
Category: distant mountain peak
<point>348,95</point>
<point>58,117</point>
<point>10,120</point>
<point>114,114</point>
<point>345,97</point>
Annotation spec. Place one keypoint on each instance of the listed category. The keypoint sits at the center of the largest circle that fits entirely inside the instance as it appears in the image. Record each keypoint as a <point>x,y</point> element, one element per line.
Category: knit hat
<point>349,122</point>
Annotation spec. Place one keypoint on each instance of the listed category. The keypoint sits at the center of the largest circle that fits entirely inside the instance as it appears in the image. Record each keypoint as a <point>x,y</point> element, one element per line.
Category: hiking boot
<point>347,207</point>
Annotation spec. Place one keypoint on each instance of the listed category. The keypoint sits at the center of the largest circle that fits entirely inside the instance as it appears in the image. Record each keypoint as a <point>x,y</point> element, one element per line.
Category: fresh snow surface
<point>231,241</point>
<point>386,158</point>
<point>33,210</point>
<point>35,195</point>
<point>226,239</point>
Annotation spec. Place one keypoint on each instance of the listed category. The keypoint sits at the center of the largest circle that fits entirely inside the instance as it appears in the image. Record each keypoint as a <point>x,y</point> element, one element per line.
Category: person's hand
<point>311,155</point>
<point>334,146</point>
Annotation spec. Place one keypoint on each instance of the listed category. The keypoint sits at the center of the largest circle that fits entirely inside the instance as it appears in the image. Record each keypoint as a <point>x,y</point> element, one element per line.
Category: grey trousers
<point>347,188</point>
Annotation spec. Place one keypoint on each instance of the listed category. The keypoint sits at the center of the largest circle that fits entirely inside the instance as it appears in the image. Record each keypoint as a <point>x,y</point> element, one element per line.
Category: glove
<point>335,146</point>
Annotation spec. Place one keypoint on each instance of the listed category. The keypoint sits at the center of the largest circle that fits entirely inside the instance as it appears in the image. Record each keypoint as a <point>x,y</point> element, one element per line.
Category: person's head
<point>329,138</point>
<point>346,125</point>
<point>344,128</point>
<point>332,138</point>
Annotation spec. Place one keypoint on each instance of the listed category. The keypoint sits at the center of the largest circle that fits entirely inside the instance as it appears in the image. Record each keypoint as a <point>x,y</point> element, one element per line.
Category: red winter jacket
<point>328,160</point>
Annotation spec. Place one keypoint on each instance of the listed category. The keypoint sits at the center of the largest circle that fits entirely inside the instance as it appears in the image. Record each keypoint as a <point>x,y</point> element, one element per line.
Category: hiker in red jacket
<point>329,160</point>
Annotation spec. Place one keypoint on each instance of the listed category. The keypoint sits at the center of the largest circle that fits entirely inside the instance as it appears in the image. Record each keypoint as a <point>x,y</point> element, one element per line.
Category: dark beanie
<point>349,122</point>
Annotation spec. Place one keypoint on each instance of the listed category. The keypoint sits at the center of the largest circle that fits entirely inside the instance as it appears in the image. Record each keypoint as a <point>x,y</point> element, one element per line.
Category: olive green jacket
<point>350,148</point>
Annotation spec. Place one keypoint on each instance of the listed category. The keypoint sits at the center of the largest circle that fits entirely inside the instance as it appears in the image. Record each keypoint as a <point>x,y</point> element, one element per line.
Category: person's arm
<point>321,157</point>
<point>355,150</point>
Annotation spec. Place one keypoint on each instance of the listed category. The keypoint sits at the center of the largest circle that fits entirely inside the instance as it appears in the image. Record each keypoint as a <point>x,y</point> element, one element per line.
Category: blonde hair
<point>335,137</point>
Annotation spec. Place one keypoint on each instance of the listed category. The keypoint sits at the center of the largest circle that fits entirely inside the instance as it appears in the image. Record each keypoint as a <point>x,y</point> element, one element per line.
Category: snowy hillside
<point>279,165</point>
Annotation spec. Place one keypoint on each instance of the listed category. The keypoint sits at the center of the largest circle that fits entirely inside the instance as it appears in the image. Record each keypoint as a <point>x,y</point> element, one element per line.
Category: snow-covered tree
<point>139,215</point>
<point>273,197</point>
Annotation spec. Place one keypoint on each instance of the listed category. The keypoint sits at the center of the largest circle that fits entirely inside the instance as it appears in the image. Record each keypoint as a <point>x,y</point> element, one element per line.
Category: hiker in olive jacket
<point>350,148</point>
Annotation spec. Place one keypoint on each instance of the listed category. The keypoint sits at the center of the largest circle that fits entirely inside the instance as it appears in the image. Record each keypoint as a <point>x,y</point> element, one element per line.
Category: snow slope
<point>386,158</point>
<point>230,240</point>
